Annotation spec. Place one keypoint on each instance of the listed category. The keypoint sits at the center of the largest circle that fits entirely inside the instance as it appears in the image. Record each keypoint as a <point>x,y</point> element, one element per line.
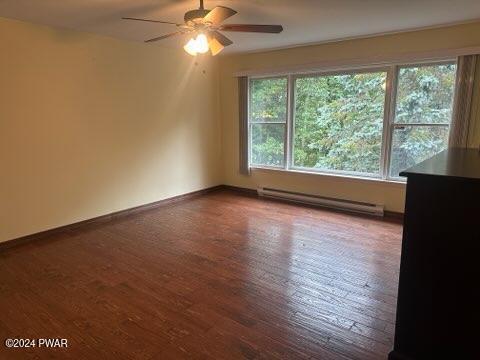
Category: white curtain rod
<point>333,65</point>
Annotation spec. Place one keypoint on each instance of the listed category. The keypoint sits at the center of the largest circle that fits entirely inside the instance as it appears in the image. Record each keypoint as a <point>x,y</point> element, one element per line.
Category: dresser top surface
<point>457,163</point>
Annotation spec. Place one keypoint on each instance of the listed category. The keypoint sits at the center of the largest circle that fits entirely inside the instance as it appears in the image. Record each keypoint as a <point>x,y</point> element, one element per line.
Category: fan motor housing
<point>195,16</point>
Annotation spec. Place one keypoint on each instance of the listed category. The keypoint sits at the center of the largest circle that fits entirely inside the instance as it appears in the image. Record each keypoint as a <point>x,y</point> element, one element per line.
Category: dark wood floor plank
<point>223,275</point>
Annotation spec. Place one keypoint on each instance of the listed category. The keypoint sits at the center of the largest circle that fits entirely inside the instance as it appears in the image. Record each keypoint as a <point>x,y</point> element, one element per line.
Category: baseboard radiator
<point>339,204</point>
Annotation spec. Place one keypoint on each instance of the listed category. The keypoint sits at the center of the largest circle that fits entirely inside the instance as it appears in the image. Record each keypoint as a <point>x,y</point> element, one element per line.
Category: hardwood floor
<point>222,276</point>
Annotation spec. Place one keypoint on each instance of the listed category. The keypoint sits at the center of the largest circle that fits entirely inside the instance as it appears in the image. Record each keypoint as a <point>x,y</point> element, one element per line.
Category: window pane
<point>268,100</point>
<point>268,144</point>
<point>425,94</point>
<point>338,122</point>
<point>413,144</point>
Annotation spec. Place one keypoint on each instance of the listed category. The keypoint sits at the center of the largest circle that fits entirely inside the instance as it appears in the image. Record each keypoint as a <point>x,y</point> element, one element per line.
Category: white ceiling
<point>304,21</point>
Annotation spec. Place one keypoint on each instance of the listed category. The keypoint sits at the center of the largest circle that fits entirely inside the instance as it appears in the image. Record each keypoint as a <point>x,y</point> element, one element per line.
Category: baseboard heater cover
<point>340,204</point>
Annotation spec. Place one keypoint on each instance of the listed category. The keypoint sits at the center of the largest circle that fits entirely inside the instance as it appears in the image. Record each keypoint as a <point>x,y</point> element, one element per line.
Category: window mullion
<point>388,123</point>
<point>250,132</point>
<point>289,122</point>
<point>249,123</point>
<point>397,125</point>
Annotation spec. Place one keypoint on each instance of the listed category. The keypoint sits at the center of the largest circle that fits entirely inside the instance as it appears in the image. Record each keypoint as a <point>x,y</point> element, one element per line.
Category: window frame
<point>392,125</point>
<point>376,69</point>
<point>251,123</point>
<point>392,73</point>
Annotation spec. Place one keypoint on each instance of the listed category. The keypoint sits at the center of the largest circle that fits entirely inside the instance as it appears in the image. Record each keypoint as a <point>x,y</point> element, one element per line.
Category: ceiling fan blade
<point>148,20</point>
<point>222,39</point>
<point>270,29</point>
<point>218,15</point>
<point>215,46</point>
<point>163,37</point>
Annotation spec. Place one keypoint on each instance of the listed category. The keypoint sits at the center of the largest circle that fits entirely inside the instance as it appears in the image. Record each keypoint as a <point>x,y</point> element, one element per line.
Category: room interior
<point>143,216</point>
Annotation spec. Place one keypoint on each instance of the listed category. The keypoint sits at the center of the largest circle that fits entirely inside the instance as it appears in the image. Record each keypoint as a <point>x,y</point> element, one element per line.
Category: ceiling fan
<point>206,25</point>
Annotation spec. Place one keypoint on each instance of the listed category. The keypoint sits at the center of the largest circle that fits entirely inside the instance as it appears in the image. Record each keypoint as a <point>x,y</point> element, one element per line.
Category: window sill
<point>326,174</point>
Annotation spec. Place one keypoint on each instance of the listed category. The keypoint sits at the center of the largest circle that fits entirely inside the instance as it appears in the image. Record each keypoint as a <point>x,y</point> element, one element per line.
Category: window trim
<point>392,73</point>
<point>251,123</point>
<point>392,125</point>
<point>375,69</point>
<point>325,174</point>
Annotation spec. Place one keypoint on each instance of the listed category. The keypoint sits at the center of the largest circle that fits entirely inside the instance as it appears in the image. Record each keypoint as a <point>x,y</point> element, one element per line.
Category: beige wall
<point>390,46</point>
<point>90,125</point>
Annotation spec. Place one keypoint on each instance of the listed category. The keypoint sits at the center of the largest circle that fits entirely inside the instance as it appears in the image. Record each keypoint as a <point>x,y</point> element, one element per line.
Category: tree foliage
<point>338,122</point>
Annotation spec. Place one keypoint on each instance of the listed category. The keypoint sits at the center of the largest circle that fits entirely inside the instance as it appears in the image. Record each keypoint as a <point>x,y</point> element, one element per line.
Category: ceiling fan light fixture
<point>199,45</point>
<point>202,44</point>
<point>203,21</point>
<point>191,47</point>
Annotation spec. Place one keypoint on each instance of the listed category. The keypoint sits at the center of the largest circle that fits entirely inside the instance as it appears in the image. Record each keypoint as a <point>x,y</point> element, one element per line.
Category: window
<point>268,119</point>
<point>423,113</point>
<point>338,122</point>
<point>370,122</point>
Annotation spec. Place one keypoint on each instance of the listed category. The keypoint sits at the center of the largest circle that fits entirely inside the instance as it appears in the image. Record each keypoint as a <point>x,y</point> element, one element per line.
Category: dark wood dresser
<point>438,298</point>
